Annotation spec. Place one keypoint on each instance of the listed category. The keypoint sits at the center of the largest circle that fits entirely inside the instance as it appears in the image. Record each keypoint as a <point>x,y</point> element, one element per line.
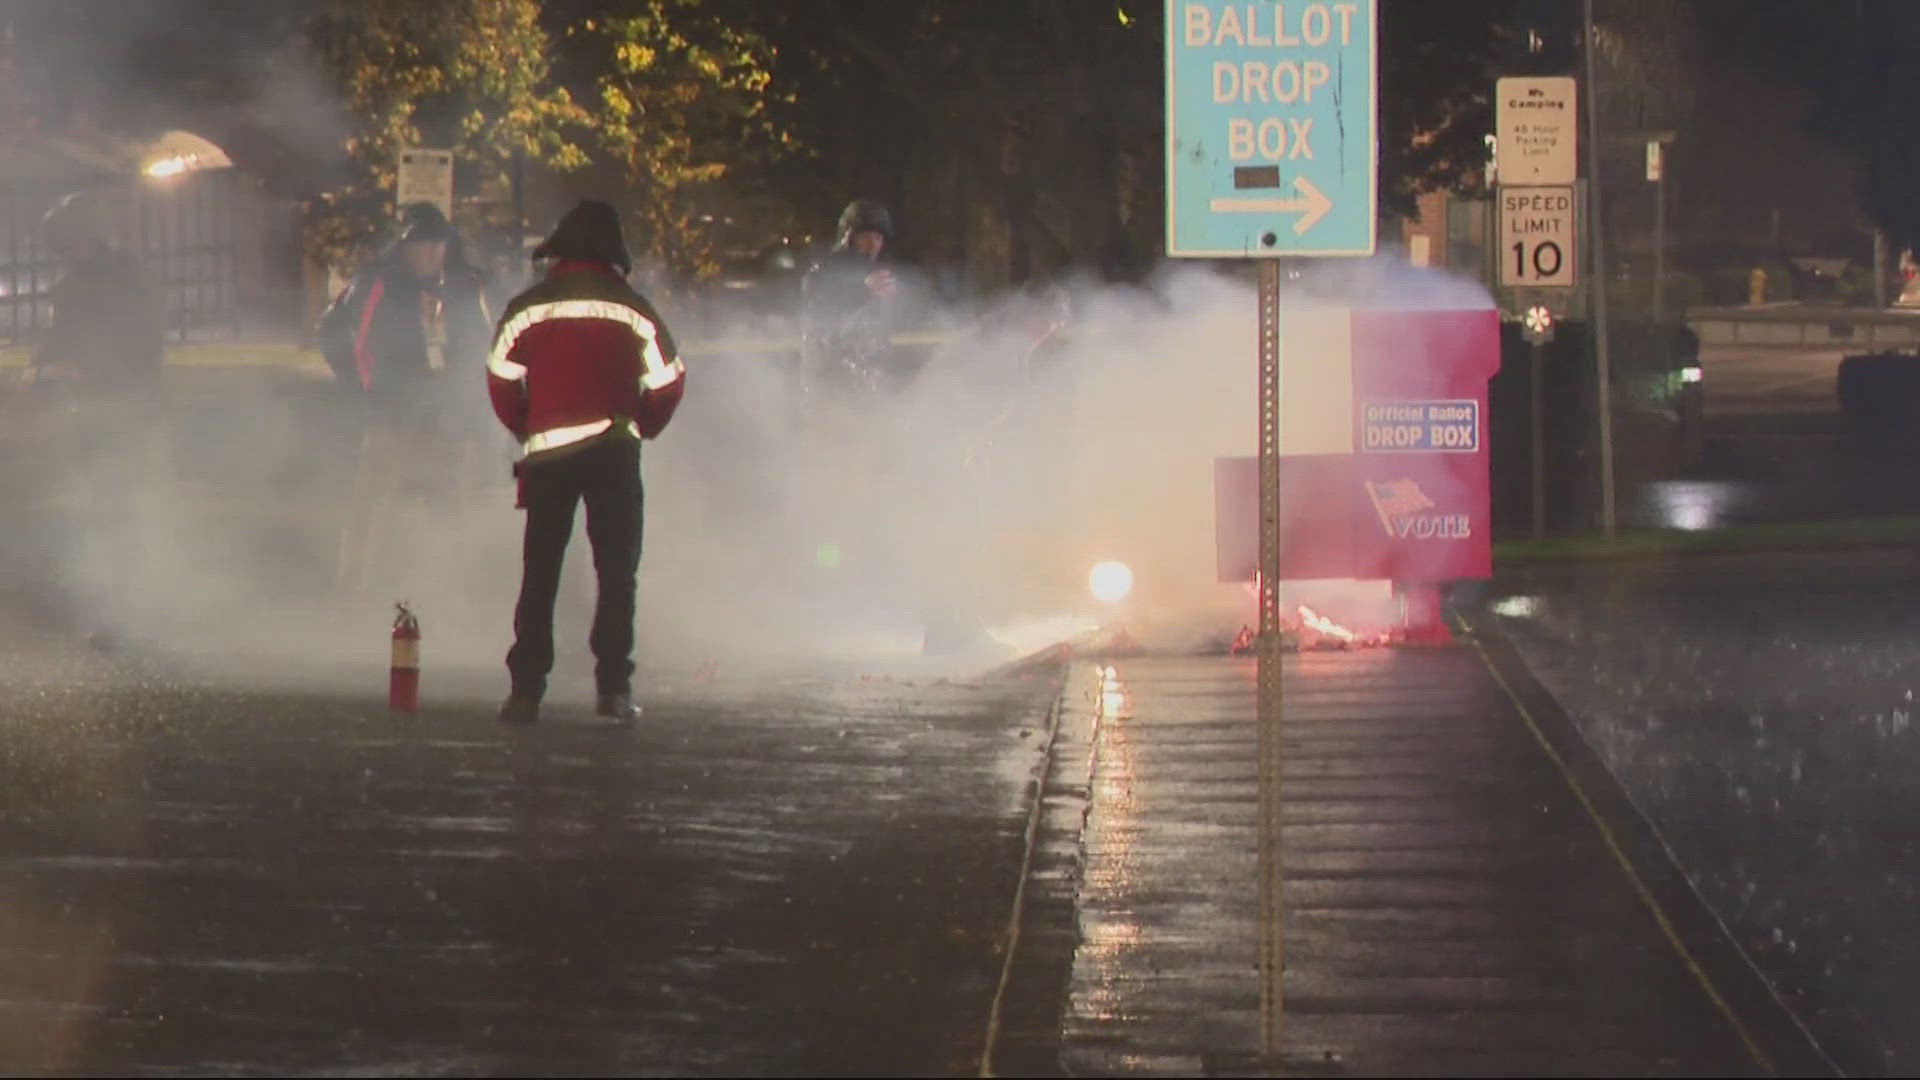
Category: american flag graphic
<point>1394,499</point>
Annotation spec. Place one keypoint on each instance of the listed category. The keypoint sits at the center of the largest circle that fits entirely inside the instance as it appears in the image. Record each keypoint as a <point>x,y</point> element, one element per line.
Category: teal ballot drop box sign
<point>1271,141</point>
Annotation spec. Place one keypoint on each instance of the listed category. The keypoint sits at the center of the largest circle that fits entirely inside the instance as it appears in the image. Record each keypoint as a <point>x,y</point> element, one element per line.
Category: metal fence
<point>27,272</point>
<point>202,239</point>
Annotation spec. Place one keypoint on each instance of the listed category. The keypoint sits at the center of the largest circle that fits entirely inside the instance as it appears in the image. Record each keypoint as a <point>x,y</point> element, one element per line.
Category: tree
<point>1008,138</point>
<point>1855,60</point>
<point>1438,64</point>
<point>1012,139</point>
<point>682,88</point>
<point>1022,138</point>
<point>472,76</point>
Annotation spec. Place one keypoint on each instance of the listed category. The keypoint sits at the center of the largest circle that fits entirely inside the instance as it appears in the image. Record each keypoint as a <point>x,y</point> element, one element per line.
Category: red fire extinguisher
<point>403,678</point>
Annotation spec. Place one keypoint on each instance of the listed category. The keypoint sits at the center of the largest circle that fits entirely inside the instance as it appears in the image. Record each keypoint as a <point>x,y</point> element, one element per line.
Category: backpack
<point>339,327</point>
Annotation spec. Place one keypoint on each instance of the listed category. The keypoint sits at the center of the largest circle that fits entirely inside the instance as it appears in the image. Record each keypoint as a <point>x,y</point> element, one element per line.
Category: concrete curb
<point>1024,1031</point>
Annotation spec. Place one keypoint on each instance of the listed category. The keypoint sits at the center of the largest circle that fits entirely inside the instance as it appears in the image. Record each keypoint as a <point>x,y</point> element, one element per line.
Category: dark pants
<point>606,475</point>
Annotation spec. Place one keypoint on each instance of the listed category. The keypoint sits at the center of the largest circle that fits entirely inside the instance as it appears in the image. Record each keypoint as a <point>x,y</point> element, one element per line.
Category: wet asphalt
<point>827,871</point>
<point>838,872</point>
<point>1759,710</point>
<point>243,864</point>
<point>809,877</point>
<point>1453,905</point>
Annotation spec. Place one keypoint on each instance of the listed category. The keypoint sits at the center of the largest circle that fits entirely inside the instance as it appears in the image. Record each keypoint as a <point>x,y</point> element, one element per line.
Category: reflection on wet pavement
<point>1692,505</point>
<point>764,878</point>
<point>1448,908</point>
<point>1759,710</point>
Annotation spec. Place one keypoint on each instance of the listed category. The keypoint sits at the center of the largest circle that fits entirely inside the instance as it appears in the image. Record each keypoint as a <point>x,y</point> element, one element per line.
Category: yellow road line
<point>216,356</point>
<point>694,347</point>
<point>1620,857</point>
<point>258,356</point>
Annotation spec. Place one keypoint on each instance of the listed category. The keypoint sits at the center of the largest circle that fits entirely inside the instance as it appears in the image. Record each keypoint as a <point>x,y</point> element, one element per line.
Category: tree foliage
<point>1856,61</point>
<point>1011,139</point>
<point>682,92</point>
<point>1026,137</point>
<point>472,76</point>
<point>1438,64</point>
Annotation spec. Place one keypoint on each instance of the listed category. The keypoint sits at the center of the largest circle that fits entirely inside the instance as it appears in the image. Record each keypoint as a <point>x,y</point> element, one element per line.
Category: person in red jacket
<point>581,370</point>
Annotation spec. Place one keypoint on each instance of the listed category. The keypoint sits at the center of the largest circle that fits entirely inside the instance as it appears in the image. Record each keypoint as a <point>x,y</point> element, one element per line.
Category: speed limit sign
<point>1537,237</point>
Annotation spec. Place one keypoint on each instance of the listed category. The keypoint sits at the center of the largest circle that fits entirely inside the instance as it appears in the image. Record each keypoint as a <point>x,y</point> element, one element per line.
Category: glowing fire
<point>1324,626</point>
<point>1315,631</point>
<point>1376,616</point>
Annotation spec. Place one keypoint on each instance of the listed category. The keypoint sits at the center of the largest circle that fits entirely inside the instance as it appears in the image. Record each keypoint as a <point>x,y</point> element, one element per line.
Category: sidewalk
<point>1454,903</point>
<point>218,353</point>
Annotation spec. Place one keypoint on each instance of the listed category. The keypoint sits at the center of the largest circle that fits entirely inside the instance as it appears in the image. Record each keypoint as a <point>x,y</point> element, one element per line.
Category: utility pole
<point>1598,245</point>
<point>1879,268</point>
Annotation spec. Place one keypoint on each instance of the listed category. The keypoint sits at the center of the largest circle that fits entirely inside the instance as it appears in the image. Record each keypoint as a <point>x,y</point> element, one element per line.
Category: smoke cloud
<point>962,509</point>
<point>969,503</point>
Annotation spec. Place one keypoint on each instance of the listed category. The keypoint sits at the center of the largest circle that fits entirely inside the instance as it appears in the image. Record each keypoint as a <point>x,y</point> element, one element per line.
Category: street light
<point>173,166</point>
<point>1110,582</point>
<point>178,152</point>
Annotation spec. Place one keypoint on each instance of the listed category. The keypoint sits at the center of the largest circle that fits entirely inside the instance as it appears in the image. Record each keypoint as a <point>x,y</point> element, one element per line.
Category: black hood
<point>424,221</point>
<point>591,230</point>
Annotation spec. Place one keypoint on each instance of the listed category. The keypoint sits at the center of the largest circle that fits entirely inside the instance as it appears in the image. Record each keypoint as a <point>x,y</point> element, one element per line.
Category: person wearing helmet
<point>847,302</point>
<point>417,320</point>
<point>417,307</point>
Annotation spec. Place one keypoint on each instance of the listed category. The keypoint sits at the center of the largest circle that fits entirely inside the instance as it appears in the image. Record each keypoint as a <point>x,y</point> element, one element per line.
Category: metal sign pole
<point>1268,691</point>
<point>1537,326</point>
<point>1660,246</point>
<point>1254,174</point>
<point>1879,269</point>
<point>1535,378</point>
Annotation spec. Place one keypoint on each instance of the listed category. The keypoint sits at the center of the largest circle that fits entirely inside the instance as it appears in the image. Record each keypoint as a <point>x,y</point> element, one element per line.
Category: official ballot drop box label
<point>1420,427</point>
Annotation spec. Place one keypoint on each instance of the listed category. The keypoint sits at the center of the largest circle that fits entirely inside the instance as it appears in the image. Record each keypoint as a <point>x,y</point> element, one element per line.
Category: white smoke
<point>979,496</point>
<point>778,529</point>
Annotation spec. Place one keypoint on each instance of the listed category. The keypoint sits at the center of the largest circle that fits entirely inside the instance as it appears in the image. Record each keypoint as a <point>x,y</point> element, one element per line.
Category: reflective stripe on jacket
<point>578,355</point>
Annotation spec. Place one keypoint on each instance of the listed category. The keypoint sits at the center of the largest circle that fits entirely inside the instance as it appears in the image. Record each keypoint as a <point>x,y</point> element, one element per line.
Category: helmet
<point>865,215</point>
<point>424,221</point>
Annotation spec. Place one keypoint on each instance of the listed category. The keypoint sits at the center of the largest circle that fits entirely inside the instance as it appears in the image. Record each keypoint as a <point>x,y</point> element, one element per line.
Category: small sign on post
<point>425,176</point>
<point>1535,122</point>
<point>1537,237</point>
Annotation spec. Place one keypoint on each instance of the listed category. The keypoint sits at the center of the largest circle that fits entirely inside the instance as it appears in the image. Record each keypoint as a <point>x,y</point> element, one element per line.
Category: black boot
<point>520,709</point>
<point>616,706</point>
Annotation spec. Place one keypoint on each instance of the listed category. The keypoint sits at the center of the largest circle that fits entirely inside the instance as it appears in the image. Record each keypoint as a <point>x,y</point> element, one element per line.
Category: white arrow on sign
<point>1312,205</point>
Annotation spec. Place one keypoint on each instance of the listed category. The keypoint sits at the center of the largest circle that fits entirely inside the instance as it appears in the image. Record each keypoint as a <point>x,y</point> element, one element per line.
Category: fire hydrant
<point>1757,287</point>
